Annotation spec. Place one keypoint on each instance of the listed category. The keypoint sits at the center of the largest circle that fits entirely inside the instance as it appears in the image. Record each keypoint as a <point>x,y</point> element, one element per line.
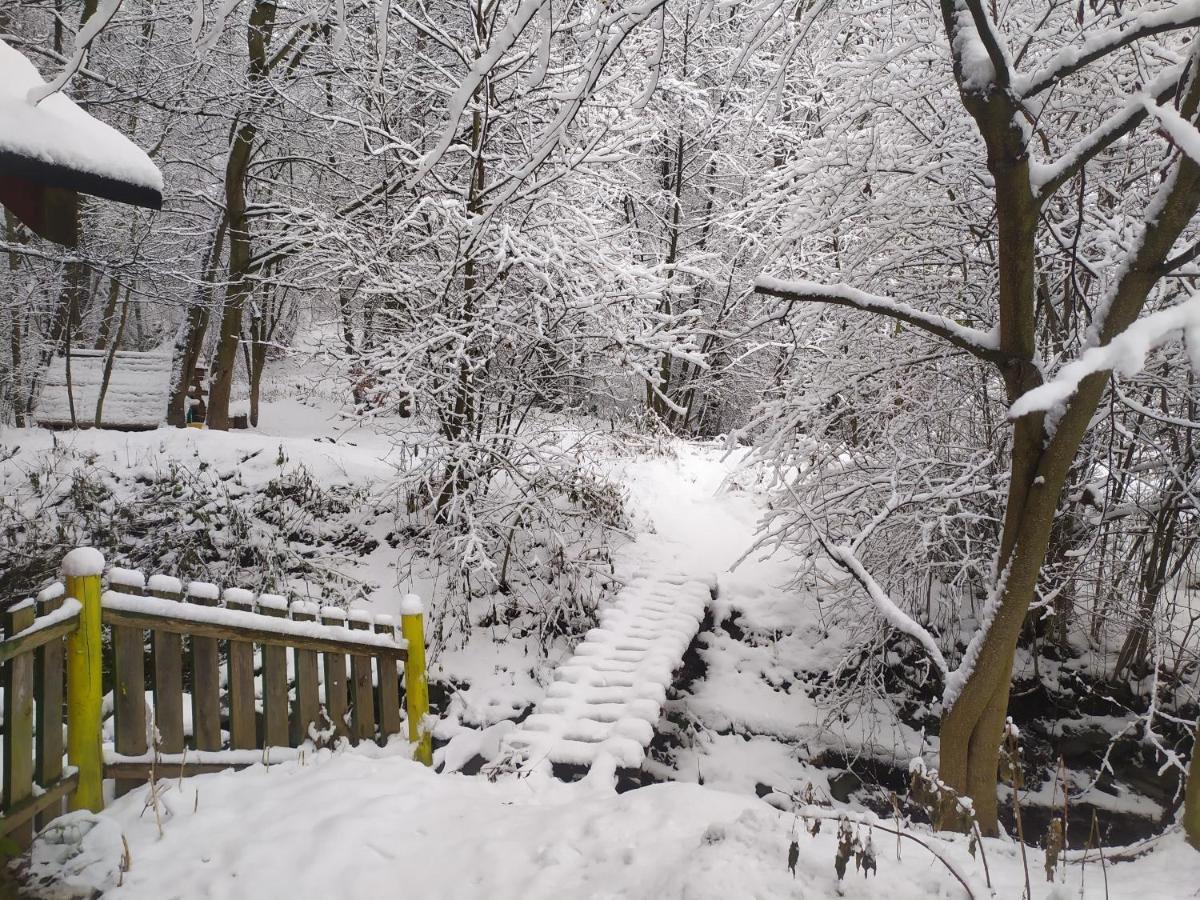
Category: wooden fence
<point>230,648</point>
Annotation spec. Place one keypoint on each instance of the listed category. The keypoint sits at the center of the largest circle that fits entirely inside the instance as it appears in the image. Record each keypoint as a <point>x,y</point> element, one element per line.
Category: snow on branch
<point>83,45</point>
<point>974,56</point>
<point>1185,14</point>
<point>1125,354</point>
<point>984,344</point>
<point>1001,67</point>
<point>896,617</point>
<point>1049,177</point>
<point>957,680</point>
<point>502,42</point>
<point>1181,132</point>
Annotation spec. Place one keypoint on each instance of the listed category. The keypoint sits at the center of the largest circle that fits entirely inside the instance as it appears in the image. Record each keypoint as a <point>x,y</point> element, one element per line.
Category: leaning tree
<point>1060,98</point>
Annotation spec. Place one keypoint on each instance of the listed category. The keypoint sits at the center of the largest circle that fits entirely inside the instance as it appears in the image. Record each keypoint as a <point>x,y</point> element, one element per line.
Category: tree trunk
<point>190,341</point>
<point>1191,799</point>
<point>972,722</point>
<point>15,394</point>
<point>461,419</point>
<point>262,19</point>
<point>110,357</point>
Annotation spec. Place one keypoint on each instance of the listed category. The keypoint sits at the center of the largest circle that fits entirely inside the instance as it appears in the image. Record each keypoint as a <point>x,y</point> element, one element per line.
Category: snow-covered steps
<point>607,698</point>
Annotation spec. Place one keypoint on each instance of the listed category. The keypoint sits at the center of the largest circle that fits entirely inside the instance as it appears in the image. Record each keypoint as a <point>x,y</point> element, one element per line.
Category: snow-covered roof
<point>57,144</point>
<point>137,394</point>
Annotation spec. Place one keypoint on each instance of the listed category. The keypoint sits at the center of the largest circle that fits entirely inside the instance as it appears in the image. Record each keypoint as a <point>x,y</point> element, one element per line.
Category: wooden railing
<point>32,655</point>
<point>343,682</point>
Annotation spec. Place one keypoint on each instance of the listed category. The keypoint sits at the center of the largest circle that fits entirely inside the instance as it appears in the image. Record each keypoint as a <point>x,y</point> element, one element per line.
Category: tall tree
<point>1019,113</point>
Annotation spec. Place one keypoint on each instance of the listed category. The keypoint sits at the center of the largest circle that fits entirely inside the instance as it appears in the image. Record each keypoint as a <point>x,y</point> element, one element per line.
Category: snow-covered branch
<point>1049,177</point>
<point>83,45</point>
<point>1125,354</point>
<point>895,616</point>
<point>984,344</point>
<point>1070,59</point>
<point>1181,132</point>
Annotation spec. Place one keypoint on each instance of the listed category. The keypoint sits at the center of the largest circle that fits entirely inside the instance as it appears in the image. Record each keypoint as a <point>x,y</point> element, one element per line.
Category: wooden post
<point>82,568</point>
<point>389,684</point>
<point>335,676</point>
<point>242,721</point>
<point>129,683</point>
<point>416,688</point>
<point>49,662</point>
<point>308,703</point>
<point>18,722</point>
<point>361,690</point>
<point>167,649</point>
<point>206,676</point>
<point>1191,800</point>
<point>274,678</point>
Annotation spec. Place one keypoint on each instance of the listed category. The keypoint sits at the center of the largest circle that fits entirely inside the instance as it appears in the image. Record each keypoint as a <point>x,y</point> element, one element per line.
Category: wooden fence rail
<point>230,649</point>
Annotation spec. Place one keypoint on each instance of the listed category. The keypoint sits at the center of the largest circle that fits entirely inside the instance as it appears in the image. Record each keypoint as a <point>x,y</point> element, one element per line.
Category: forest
<point>858,340</point>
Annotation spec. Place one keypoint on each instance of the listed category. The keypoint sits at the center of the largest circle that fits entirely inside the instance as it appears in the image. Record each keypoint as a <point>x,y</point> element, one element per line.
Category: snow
<point>978,72</point>
<point>166,584</point>
<point>1125,355</point>
<point>357,823</point>
<point>607,698</point>
<point>203,590</point>
<point>126,577</point>
<point>136,396</point>
<point>1182,132</point>
<point>57,131</point>
<point>411,605</point>
<point>52,592</point>
<point>272,601</point>
<point>69,609</point>
<point>237,597</point>
<point>83,561</point>
<point>352,822</point>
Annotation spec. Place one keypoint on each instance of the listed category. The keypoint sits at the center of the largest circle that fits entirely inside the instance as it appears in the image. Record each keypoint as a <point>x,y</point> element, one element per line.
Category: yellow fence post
<point>82,569</point>
<point>416,688</point>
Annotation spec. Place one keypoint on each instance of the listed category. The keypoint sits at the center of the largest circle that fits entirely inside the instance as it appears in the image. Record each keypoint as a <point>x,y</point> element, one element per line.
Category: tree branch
<point>990,43</point>
<point>1049,178</point>
<point>982,344</point>
<point>1070,60</point>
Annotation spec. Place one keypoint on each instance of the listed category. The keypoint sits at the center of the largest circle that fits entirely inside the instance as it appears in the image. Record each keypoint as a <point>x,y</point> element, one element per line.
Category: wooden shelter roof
<point>136,399</point>
<point>51,151</point>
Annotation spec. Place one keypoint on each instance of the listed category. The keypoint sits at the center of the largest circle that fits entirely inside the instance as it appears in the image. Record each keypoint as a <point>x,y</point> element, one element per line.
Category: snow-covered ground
<point>375,824</point>
<point>370,822</point>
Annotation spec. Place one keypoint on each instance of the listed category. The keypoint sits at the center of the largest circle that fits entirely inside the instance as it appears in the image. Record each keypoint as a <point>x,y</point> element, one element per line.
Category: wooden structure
<point>197,408</point>
<point>136,390</point>
<point>51,151</point>
<point>344,682</point>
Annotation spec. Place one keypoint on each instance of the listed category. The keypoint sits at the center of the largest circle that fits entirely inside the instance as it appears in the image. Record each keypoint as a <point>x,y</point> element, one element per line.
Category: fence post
<point>1191,802</point>
<point>82,568</point>
<point>416,688</point>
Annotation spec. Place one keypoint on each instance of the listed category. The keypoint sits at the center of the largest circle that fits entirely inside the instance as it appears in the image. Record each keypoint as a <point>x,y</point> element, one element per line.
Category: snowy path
<point>606,699</point>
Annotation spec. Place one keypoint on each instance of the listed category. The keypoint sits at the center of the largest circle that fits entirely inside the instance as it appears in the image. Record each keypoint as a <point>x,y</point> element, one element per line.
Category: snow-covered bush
<point>191,519</point>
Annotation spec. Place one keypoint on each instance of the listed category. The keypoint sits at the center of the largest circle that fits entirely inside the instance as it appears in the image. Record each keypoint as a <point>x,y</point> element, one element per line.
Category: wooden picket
<point>355,688</point>
<point>32,657</point>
